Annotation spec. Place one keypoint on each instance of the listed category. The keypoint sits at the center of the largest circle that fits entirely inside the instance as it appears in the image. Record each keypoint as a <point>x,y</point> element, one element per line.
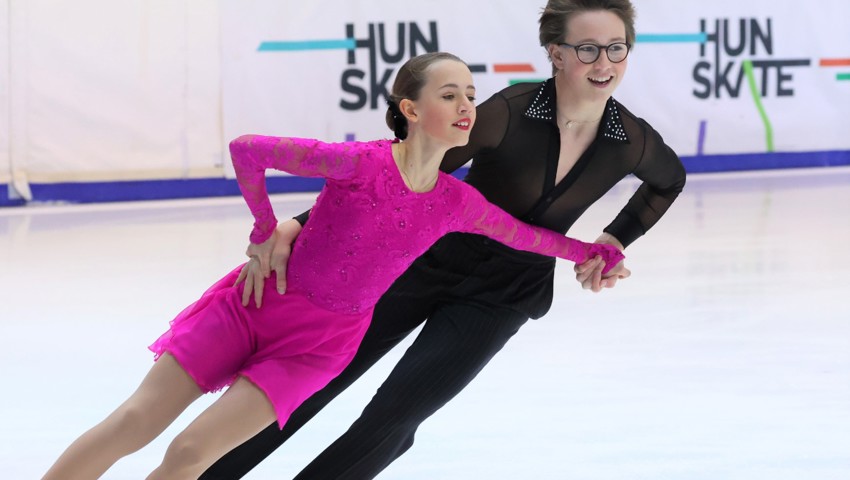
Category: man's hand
<point>589,273</point>
<point>264,258</point>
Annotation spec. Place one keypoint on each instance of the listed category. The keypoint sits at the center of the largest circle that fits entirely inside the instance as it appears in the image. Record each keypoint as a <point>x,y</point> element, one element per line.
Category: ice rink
<point>726,355</point>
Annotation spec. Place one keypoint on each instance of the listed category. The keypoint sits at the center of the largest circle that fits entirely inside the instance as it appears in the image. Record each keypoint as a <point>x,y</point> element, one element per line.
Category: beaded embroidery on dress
<point>367,226</point>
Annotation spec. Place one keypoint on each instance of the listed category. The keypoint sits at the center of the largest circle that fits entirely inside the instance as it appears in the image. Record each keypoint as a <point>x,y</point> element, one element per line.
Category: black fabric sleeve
<point>663,177</point>
<point>491,123</point>
<point>303,217</point>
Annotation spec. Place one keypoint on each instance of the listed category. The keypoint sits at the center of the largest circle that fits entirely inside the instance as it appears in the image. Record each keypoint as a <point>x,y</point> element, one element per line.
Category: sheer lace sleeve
<point>484,218</point>
<point>253,154</point>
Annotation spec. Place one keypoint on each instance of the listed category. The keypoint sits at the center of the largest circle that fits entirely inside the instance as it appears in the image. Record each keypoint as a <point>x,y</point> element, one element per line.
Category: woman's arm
<point>484,218</point>
<point>253,154</point>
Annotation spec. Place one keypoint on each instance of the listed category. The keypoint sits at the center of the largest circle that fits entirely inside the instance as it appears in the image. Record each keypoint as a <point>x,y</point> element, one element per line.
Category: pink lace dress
<point>366,228</point>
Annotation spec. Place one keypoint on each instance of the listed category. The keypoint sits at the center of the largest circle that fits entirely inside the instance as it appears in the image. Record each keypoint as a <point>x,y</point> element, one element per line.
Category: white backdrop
<point>660,82</point>
<point>105,90</point>
<point>299,92</point>
<point>112,90</point>
<point>5,161</point>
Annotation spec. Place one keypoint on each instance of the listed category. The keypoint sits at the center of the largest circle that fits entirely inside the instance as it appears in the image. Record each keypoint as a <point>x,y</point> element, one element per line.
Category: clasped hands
<point>273,256</point>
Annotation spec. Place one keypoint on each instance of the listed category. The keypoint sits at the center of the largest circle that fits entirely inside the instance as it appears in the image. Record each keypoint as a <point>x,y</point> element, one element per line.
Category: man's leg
<point>455,344</point>
<point>394,318</point>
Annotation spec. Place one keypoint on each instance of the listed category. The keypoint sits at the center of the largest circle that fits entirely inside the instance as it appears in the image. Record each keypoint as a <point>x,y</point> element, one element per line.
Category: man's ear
<point>556,54</point>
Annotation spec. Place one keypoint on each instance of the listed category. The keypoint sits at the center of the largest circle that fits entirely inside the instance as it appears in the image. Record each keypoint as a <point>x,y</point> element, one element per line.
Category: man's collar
<point>543,107</point>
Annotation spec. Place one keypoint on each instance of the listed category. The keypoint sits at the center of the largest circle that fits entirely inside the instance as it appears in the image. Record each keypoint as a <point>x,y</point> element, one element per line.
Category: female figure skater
<point>384,204</point>
<point>544,153</point>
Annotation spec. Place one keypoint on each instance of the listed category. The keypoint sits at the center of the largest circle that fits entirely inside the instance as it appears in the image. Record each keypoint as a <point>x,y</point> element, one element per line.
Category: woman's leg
<point>163,394</point>
<point>238,415</point>
<point>455,344</point>
<point>394,318</point>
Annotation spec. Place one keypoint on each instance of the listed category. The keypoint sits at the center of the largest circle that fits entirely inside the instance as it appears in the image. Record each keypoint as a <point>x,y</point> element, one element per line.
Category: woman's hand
<point>589,273</point>
<point>263,258</point>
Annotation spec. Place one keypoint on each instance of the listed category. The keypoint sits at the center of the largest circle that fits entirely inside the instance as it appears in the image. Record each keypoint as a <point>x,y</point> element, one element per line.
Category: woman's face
<point>597,80</point>
<point>445,110</point>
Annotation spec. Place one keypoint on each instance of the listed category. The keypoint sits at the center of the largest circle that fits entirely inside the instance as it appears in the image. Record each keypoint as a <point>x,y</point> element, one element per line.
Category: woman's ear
<point>408,109</point>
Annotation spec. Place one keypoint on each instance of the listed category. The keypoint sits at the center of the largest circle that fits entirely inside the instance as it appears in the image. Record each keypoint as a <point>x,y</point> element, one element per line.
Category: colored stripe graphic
<point>835,62</point>
<point>751,80</point>
<point>478,68</point>
<point>344,44</point>
<point>701,138</point>
<point>701,37</point>
<point>513,67</point>
<point>843,76</point>
<point>526,80</point>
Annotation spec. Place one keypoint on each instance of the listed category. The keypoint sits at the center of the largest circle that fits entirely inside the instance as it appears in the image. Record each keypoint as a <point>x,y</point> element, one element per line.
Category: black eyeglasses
<point>589,52</point>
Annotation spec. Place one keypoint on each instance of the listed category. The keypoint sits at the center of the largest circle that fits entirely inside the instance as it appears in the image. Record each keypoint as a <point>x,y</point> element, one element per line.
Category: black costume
<point>474,292</point>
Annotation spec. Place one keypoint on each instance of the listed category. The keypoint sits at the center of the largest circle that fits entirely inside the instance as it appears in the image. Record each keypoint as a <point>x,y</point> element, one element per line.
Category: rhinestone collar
<point>542,107</point>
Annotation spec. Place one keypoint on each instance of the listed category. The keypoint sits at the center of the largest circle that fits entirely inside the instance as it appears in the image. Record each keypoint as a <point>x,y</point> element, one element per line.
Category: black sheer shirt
<point>514,147</point>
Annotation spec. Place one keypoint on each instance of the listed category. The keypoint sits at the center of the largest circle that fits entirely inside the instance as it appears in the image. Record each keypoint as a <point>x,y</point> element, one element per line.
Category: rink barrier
<point>138,190</point>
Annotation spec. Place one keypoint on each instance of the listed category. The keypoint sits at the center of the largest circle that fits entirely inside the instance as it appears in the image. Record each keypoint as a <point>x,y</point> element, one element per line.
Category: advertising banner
<point>715,78</point>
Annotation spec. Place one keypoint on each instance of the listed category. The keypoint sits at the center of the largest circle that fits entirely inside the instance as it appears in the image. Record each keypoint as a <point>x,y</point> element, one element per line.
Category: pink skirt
<point>290,348</point>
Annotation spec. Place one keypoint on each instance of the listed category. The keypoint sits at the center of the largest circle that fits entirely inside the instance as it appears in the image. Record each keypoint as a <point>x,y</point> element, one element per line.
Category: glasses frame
<point>599,49</point>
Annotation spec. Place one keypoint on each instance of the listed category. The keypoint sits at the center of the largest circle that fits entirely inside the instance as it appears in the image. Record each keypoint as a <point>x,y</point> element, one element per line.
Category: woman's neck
<point>419,163</point>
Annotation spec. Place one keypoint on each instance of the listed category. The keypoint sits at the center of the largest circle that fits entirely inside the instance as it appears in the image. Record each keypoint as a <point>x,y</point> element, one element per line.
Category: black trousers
<point>459,338</point>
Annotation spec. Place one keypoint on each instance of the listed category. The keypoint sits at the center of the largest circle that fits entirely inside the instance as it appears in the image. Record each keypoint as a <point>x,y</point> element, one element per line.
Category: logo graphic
<point>730,51</point>
<point>391,44</point>
<point>742,49</point>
